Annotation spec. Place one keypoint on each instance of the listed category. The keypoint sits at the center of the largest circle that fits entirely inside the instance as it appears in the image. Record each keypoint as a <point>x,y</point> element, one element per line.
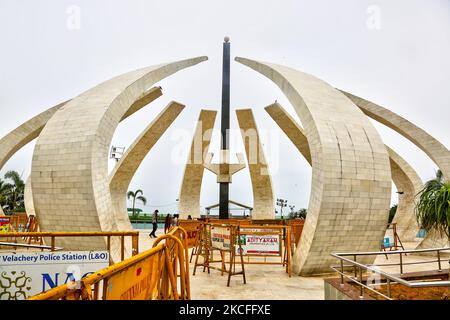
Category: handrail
<point>395,278</point>
<point>60,234</point>
<point>390,278</point>
<point>373,253</point>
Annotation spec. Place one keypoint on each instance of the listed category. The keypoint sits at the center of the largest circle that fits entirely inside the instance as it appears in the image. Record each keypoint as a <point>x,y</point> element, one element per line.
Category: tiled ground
<point>272,282</point>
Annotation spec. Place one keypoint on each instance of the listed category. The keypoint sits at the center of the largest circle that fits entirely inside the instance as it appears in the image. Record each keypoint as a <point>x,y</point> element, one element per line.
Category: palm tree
<point>15,198</point>
<point>433,207</point>
<point>135,195</point>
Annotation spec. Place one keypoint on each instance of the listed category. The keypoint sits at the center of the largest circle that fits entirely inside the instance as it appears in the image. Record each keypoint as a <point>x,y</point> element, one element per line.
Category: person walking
<point>155,224</point>
<point>167,222</point>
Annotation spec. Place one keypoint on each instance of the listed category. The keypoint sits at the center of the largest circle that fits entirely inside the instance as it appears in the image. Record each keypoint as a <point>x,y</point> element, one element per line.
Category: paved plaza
<point>271,282</point>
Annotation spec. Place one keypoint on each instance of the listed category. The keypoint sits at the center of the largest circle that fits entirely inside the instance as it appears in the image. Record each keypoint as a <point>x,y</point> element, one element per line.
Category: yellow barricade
<point>159,273</point>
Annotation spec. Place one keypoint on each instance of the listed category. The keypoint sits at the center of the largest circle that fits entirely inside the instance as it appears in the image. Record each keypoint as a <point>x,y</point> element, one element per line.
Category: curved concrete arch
<point>70,170</point>
<point>403,175</point>
<point>263,200</point>
<point>23,134</point>
<point>28,198</point>
<point>190,190</point>
<point>351,179</point>
<point>407,181</point>
<point>147,97</point>
<point>123,172</point>
<point>427,143</point>
<point>432,147</point>
<point>291,128</point>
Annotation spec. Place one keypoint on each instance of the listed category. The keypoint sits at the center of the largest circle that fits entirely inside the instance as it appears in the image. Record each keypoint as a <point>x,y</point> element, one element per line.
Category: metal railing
<point>358,268</point>
<point>54,235</point>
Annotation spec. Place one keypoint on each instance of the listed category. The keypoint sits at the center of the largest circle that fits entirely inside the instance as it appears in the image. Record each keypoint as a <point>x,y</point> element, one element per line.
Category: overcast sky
<point>395,53</point>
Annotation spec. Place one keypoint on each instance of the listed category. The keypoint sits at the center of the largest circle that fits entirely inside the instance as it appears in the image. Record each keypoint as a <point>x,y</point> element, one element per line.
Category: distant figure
<point>175,219</point>
<point>155,224</point>
<point>167,222</point>
<point>189,217</point>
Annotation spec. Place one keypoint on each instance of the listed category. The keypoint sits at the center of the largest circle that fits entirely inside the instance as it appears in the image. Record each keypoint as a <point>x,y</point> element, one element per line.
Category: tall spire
<point>225,126</point>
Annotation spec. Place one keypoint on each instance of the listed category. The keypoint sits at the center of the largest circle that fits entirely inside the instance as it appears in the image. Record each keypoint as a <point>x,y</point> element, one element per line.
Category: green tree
<point>15,198</point>
<point>136,195</point>
<point>433,207</point>
<point>302,213</point>
<point>5,190</point>
<point>298,214</point>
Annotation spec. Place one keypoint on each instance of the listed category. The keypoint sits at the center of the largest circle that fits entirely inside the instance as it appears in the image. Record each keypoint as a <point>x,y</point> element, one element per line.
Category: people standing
<point>155,224</point>
<point>189,217</point>
<point>167,222</point>
<point>175,219</point>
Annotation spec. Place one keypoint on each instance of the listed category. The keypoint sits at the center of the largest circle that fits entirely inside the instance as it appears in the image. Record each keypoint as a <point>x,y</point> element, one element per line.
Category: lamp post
<point>116,153</point>
<point>282,203</point>
<point>292,210</point>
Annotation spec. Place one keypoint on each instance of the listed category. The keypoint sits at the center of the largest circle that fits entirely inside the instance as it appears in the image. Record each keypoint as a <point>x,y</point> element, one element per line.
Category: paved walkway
<point>263,282</point>
<point>272,282</point>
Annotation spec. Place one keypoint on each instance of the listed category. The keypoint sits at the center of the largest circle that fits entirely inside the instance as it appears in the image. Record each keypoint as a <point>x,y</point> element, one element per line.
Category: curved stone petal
<point>263,200</point>
<point>403,175</point>
<point>23,134</point>
<point>433,148</point>
<point>70,163</point>
<point>189,199</point>
<point>407,181</point>
<point>428,144</point>
<point>127,166</point>
<point>28,198</point>
<point>147,97</point>
<point>351,180</point>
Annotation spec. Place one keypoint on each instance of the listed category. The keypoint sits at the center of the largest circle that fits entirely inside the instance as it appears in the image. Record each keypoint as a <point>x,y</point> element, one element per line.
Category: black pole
<point>225,126</point>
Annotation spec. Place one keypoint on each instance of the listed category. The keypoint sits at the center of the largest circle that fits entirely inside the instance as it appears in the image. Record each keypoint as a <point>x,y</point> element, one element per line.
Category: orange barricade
<point>257,240</point>
<point>159,273</point>
<point>297,229</point>
<point>192,228</point>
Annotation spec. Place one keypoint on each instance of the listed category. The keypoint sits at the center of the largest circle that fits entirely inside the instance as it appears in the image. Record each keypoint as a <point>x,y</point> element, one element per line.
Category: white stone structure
<point>70,168</point>
<point>351,179</point>
<point>22,135</point>
<point>403,175</point>
<point>263,200</point>
<point>127,166</point>
<point>69,188</point>
<point>189,199</point>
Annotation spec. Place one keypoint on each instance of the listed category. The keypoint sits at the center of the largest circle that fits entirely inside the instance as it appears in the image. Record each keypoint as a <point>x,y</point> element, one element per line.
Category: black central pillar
<point>225,125</point>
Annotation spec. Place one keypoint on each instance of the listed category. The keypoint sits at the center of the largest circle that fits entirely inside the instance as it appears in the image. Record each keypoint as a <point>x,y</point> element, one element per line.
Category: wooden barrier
<point>224,239</point>
<point>278,237</point>
<point>296,228</point>
<point>277,240</point>
<point>192,228</point>
<point>150,275</point>
<point>21,223</point>
<point>395,243</point>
